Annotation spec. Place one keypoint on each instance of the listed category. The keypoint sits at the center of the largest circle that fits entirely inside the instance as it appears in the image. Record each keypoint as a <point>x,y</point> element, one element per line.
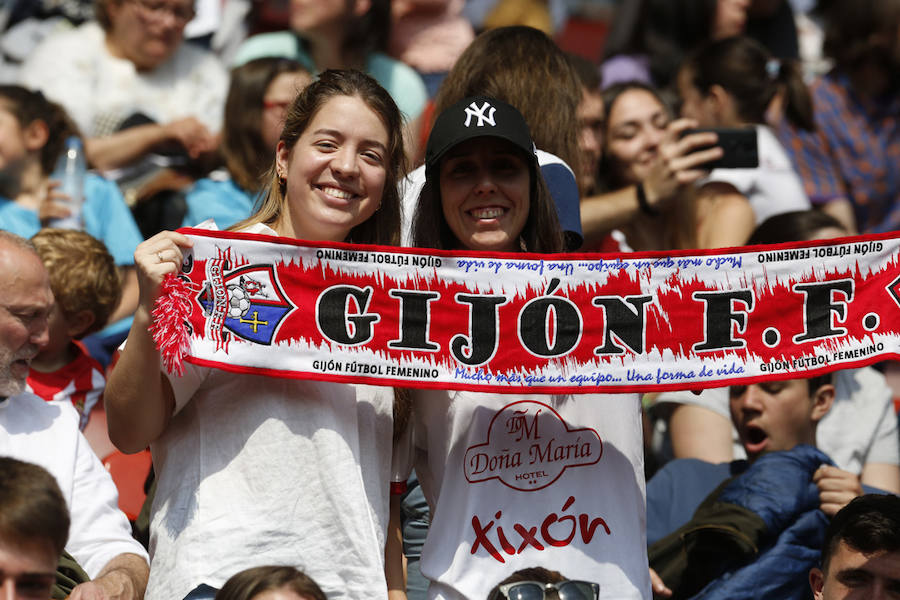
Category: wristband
<point>642,201</point>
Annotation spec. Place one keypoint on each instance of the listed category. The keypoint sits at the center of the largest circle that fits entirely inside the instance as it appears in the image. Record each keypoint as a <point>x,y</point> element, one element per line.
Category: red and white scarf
<point>572,323</point>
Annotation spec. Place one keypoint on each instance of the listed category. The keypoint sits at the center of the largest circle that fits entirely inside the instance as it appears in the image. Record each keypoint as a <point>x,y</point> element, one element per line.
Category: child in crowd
<point>33,131</point>
<point>86,288</point>
<point>859,433</point>
<point>259,95</point>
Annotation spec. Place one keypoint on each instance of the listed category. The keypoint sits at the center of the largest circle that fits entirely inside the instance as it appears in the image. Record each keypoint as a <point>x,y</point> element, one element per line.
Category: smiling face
<point>636,124</point>
<point>335,172</point>
<point>778,415</point>
<point>147,32</point>
<point>485,194</point>
<point>25,303</point>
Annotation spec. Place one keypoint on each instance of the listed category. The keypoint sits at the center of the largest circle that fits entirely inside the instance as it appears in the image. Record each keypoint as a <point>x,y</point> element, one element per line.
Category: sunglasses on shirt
<point>564,590</point>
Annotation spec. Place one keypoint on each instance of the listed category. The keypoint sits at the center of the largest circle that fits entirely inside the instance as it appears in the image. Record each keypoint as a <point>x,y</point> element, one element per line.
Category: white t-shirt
<point>522,481</point>
<point>861,426</point>
<point>98,90</point>
<point>772,188</point>
<point>257,470</point>
<point>46,433</point>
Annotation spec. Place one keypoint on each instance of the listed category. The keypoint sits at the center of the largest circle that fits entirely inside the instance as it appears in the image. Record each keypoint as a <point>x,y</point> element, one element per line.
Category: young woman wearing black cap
<point>517,480</point>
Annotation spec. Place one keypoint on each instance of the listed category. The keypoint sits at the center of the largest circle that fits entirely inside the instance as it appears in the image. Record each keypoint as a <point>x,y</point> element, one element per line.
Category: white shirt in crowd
<point>99,90</point>
<point>522,481</point>
<point>255,470</point>
<point>47,434</point>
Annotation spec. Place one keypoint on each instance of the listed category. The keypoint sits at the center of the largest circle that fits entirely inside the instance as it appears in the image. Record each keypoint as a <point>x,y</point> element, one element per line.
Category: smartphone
<point>739,146</point>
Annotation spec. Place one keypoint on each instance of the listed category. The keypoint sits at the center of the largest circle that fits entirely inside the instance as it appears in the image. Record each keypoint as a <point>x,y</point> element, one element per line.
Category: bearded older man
<point>47,434</point>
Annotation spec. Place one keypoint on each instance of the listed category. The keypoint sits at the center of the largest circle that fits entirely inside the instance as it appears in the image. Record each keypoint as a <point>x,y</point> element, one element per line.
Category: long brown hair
<point>675,226</point>
<point>541,232</point>
<point>246,155</point>
<point>384,226</point>
<point>525,68</point>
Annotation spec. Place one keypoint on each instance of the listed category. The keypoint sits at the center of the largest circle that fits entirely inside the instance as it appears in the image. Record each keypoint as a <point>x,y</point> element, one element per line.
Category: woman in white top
<point>517,480</point>
<point>734,82</point>
<point>255,470</point>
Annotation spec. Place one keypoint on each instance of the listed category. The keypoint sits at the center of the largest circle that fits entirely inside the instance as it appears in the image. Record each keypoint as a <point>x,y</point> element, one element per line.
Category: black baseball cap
<point>474,117</point>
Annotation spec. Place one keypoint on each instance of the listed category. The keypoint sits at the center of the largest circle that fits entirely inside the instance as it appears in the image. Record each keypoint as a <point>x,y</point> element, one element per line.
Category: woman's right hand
<point>681,160</point>
<point>53,203</point>
<point>154,259</point>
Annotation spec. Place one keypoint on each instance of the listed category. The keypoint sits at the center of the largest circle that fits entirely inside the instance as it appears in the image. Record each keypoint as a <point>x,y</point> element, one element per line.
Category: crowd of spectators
<point>189,115</point>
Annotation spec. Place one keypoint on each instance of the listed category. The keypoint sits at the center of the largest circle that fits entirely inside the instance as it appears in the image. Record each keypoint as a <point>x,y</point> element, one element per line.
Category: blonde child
<point>87,288</point>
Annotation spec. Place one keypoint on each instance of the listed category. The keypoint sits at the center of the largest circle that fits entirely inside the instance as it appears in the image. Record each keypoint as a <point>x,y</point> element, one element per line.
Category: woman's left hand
<point>681,161</point>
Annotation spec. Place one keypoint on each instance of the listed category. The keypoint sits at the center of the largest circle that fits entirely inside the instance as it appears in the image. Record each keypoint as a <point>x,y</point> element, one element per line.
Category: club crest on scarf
<point>247,301</point>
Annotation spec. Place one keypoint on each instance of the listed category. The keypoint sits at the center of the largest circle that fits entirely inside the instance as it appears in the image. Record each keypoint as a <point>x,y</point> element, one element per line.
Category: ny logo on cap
<point>473,111</point>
